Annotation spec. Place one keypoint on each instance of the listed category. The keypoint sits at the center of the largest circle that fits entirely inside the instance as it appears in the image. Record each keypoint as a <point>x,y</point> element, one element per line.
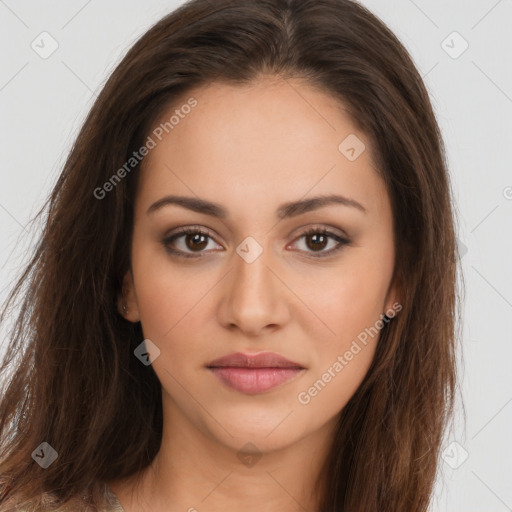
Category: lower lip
<point>255,380</point>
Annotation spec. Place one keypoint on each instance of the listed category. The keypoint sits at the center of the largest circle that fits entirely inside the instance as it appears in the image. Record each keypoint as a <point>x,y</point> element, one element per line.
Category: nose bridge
<point>254,299</point>
<point>251,275</point>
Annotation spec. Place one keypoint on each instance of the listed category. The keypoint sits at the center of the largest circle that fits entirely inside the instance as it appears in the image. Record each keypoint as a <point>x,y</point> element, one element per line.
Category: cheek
<point>343,300</point>
<point>172,314</point>
<point>347,303</point>
<point>343,342</point>
<point>168,295</point>
<point>334,382</point>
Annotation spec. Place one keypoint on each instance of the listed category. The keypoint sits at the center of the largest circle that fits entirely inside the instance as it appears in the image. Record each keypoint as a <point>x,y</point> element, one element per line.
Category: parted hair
<point>69,376</point>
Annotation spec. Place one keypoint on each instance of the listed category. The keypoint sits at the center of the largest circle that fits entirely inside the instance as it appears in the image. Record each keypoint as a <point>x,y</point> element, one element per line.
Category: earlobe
<point>393,302</point>
<point>127,301</point>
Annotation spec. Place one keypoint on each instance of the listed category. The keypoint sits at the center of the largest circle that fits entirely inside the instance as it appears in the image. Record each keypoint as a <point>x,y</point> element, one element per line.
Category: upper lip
<point>261,360</point>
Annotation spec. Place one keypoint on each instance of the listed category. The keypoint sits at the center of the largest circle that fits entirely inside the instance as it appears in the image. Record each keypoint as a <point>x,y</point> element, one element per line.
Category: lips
<point>261,360</point>
<point>254,374</point>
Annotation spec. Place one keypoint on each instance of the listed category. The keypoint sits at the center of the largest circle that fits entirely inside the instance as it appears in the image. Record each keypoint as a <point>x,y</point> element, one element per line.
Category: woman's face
<point>251,281</point>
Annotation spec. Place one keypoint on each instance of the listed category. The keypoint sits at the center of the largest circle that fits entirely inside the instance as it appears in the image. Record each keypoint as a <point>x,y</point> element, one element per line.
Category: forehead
<point>273,139</point>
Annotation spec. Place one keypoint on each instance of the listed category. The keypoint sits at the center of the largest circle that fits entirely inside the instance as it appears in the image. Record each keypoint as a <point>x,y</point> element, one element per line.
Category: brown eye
<point>194,241</point>
<point>316,240</point>
<point>197,241</point>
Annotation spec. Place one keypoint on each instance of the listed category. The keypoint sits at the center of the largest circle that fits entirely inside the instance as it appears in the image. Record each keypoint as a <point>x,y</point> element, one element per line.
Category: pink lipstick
<point>253,374</point>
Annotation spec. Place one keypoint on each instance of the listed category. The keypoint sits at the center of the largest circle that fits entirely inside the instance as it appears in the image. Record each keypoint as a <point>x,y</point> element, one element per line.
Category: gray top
<point>108,503</point>
<point>111,502</point>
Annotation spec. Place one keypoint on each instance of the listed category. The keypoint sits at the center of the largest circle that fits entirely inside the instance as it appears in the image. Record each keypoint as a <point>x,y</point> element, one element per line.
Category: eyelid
<point>341,238</point>
<point>320,227</point>
<point>182,231</point>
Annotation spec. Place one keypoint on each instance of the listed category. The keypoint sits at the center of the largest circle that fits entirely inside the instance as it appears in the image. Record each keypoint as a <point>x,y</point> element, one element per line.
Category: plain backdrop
<point>463,50</point>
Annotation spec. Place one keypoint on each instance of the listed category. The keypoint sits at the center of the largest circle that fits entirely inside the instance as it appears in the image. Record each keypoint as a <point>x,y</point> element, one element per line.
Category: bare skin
<point>251,149</point>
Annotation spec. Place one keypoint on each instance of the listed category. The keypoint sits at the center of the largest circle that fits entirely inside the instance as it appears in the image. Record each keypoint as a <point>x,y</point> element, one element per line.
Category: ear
<point>393,301</point>
<point>128,299</point>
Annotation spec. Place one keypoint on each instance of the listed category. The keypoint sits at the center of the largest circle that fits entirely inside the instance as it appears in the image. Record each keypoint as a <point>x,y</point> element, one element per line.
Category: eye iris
<point>316,243</point>
<point>198,241</point>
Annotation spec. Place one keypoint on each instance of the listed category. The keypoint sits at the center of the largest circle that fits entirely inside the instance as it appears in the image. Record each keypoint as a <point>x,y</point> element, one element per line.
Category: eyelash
<point>197,231</point>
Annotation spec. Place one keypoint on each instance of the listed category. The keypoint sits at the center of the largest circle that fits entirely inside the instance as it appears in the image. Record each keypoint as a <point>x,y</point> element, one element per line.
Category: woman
<point>244,295</point>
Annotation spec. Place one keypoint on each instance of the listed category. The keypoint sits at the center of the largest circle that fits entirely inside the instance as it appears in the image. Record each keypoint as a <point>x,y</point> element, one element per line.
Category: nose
<point>254,297</point>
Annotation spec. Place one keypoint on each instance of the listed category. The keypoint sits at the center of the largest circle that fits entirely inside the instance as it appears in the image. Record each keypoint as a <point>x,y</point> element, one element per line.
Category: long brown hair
<point>75,382</point>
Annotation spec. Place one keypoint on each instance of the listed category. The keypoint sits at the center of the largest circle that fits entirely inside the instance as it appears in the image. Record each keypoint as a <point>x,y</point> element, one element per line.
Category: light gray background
<point>44,101</point>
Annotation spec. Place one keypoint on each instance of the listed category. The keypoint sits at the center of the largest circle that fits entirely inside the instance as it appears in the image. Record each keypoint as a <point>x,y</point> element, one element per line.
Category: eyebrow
<point>286,210</point>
